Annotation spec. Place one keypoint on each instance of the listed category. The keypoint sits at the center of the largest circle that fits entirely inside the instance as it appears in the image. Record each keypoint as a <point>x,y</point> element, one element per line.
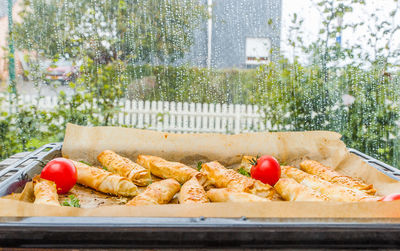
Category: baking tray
<point>199,232</point>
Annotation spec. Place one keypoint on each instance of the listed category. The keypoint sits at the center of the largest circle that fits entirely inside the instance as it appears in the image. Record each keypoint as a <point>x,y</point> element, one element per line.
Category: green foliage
<point>292,97</point>
<point>243,171</point>
<point>190,84</point>
<point>133,31</point>
<point>297,98</point>
<point>198,167</point>
<point>98,92</point>
<point>127,49</point>
<point>8,143</point>
<point>24,130</point>
<point>72,202</point>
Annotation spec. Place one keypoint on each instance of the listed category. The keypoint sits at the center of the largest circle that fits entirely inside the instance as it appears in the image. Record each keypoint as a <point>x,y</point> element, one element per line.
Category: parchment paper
<point>375,210</point>
<point>85,143</point>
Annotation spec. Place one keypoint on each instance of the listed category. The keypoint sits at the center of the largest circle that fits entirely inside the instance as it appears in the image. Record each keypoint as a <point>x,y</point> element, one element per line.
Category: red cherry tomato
<point>63,172</point>
<point>391,197</point>
<point>267,170</point>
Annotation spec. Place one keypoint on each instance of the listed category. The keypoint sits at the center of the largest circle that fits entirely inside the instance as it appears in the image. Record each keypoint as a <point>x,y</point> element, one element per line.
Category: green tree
<point>157,31</point>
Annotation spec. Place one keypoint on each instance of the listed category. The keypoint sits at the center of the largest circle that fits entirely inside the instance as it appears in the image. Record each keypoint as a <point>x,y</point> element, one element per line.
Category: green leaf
<point>199,165</point>
<point>244,172</point>
<point>72,202</point>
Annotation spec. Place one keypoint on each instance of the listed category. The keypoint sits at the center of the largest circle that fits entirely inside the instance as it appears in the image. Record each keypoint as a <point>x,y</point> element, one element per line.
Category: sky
<point>306,10</point>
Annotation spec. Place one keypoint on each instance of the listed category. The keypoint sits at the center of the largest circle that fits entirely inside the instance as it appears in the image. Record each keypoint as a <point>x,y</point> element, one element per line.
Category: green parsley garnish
<point>104,168</point>
<point>243,172</point>
<point>72,202</point>
<point>199,165</point>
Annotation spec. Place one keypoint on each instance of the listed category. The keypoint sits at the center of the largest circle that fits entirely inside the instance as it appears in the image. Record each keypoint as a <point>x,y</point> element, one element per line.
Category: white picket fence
<point>178,117</point>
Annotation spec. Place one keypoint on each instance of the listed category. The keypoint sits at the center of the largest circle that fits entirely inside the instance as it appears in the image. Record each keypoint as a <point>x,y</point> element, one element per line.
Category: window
<point>302,65</point>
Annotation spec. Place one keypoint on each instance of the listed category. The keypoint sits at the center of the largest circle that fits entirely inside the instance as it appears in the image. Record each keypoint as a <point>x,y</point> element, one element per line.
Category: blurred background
<point>226,66</point>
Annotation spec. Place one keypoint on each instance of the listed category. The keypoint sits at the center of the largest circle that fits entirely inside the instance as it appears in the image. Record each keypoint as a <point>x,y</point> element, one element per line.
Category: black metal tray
<point>140,232</point>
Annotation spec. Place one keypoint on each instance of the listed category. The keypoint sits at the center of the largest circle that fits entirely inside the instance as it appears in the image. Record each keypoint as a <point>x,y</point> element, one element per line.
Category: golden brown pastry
<point>290,190</point>
<point>326,173</point>
<point>166,169</point>
<point>45,192</point>
<point>332,191</point>
<point>104,181</point>
<point>125,167</point>
<point>160,192</point>
<point>226,195</point>
<point>192,192</point>
<point>223,177</point>
<point>246,162</point>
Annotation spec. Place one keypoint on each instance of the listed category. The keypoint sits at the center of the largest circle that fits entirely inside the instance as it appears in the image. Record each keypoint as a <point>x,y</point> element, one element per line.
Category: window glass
<point>257,51</point>
<point>225,66</point>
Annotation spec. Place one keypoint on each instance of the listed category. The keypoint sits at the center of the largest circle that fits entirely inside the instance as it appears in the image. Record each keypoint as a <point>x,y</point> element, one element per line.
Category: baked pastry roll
<point>290,190</point>
<point>192,192</point>
<point>246,162</point>
<point>326,173</point>
<point>332,191</point>
<point>166,169</point>
<point>160,192</point>
<point>125,167</point>
<point>45,192</point>
<point>222,177</point>
<point>226,195</point>
<point>104,181</point>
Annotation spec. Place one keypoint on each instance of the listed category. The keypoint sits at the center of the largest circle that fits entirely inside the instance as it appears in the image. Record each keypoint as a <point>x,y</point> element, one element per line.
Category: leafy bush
<point>190,84</point>
<point>297,98</point>
<point>293,97</point>
<point>24,130</point>
<point>127,53</point>
<point>104,30</point>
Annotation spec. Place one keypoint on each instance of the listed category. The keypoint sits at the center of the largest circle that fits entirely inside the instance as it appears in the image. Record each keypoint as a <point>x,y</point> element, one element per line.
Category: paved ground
<point>46,89</point>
